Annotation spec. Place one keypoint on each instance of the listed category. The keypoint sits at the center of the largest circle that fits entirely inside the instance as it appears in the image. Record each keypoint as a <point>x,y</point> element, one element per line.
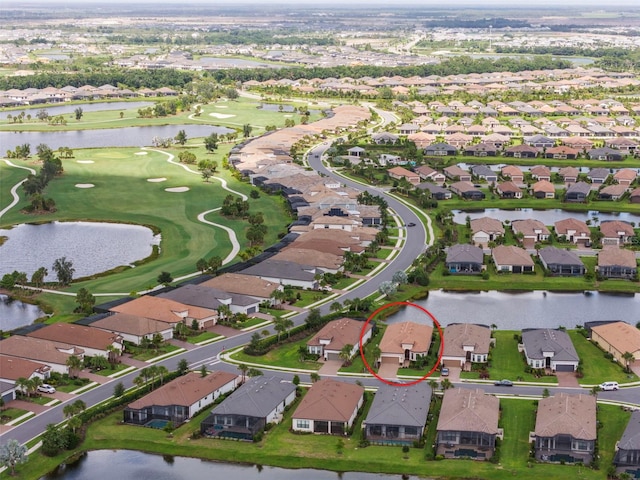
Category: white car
<point>46,388</point>
<point>607,386</point>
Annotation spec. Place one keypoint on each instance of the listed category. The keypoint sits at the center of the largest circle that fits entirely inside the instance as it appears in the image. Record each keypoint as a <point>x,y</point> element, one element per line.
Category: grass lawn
<point>71,386</point>
<point>344,283</point>
<point>307,297</point>
<point>40,400</point>
<point>148,354</point>
<point>274,312</point>
<point>357,365</point>
<point>202,337</point>
<point>9,414</point>
<point>110,371</point>
<point>518,418</point>
<point>597,368</point>
<point>251,322</point>
<point>284,356</point>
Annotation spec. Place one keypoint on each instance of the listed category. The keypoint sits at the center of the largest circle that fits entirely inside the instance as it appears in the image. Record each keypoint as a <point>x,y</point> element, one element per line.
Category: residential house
<point>428,173</point>
<point>606,153</point>
<point>398,414</point>
<point>624,145</point>
<point>384,137</point>
<point>13,368</point>
<point>616,232</point>
<point>541,172</point>
<point>254,287</point>
<point>509,190</point>
<point>627,456</point>
<point>485,173</point>
<point>329,407</point>
<point>513,173</point>
<point>634,196</point>
<point>92,340</point>
<point>168,311</point>
<point>521,151</point>
<point>539,141</point>
<point>464,344</point>
<point>543,189</point>
<point>286,273</point>
<point>561,262</point>
<point>437,192</point>
<point>454,172</point>
<point>405,342</point>
<point>357,152</point>
<point>569,174</point>
<point>612,192</point>
<point>574,231</point>
<point>617,338</point>
<point>133,328</point>
<point>464,259</point>
<point>399,173</point>
<point>440,149</point>
<point>7,391</point>
<point>512,259</point>
<point>598,175</point>
<point>614,262</point>
<point>467,190</point>
<point>335,335</point>
<point>577,192</point>
<point>530,231</point>
<point>562,152</point>
<point>485,230</point>
<point>246,412</point>
<point>408,128</point>
<point>52,354</point>
<point>468,424</point>
<point>481,150</point>
<point>181,398</point>
<point>625,176</point>
<point>212,298</point>
<point>549,349</point>
<point>566,428</point>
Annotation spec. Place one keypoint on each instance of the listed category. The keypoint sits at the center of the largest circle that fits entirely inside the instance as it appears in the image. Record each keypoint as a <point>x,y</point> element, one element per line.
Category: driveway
<point>388,371</point>
<point>330,368</point>
<point>567,379</point>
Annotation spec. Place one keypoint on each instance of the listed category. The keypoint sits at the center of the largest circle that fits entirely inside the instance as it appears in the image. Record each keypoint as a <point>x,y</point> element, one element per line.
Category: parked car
<point>503,383</point>
<point>411,224</point>
<point>606,386</point>
<point>46,388</point>
<point>444,372</point>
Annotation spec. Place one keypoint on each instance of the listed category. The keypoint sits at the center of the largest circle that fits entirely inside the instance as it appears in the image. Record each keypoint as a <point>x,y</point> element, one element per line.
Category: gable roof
<point>467,410</point>
<point>44,351</point>
<point>622,336</point>
<point>408,406</point>
<point>162,309</point>
<point>258,397</point>
<point>565,414</point>
<point>459,335</point>
<point>613,228</point>
<point>539,340</point>
<point>12,368</point>
<point>78,335</point>
<point>511,255</point>
<point>563,226</point>
<point>185,390</point>
<point>617,257</point>
<point>330,400</point>
<point>529,227</point>
<point>131,324</point>
<point>281,269</point>
<point>396,334</point>
<point>486,224</point>
<point>340,332</point>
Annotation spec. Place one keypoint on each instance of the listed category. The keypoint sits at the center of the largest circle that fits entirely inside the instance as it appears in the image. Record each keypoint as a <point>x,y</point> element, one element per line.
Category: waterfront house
<point>616,232</point>
<point>464,259</point>
<point>543,189</point>
<point>465,344</point>
<point>485,230</point>
<point>512,259</point>
<point>627,456</point>
<point>617,338</point>
<point>615,262</point>
<point>329,407</point>
<point>509,190</point>
<point>566,428</point>
<point>405,342</point>
<point>332,338</point>
<point>549,349</point>
<point>574,231</point>
<point>561,262</point>
<point>530,231</point>
<point>577,192</point>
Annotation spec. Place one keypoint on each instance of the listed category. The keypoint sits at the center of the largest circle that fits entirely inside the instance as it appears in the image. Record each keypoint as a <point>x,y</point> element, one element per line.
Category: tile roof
<point>565,414</point>
<point>631,437</point>
<point>163,309</point>
<point>459,335</point>
<point>511,255</point>
<point>487,224</point>
<point>243,285</point>
<point>622,336</point>
<point>415,334</point>
<point>330,400</point>
<point>12,368</point>
<point>77,335</point>
<point>466,410</point>
<point>340,332</point>
<point>39,350</point>
<point>617,256</point>
<point>131,324</point>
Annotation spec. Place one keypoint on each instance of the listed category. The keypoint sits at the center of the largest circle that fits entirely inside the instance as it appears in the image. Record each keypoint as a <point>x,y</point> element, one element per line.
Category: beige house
<point>574,230</point>
<point>399,173</point>
<point>464,344</point>
<point>331,339</point>
<point>617,338</point>
<point>92,340</point>
<point>485,230</point>
<point>512,259</point>
<point>404,342</point>
<point>12,368</point>
<point>52,354</point>
<point>168,311</point>
<point>133,328</point>
<point>244,285</point>
<point>531,231</point>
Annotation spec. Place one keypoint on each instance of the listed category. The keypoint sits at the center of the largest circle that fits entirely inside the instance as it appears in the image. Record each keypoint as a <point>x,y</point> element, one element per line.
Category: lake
<point>548,217</point>
<point>86,107</point>
<point>14,313</point>
<point>92,247</point>
<point>515,311</point>
<point>132,465</point>
<point>108,137</point>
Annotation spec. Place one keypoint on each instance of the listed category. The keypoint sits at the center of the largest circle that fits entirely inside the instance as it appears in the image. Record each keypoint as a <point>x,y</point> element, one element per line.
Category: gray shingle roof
<point>258,397</point>
<point>464,253</point>
<point>407,406</point>
<point>558,256</point>
<point>537,341</point>
<point>279,269</point>
<point>631,437</point>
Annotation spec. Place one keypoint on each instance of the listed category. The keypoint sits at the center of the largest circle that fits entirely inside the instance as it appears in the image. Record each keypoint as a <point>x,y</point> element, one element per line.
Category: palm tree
<point>243,368</point>
<point>629,359</point>
<point>75,365</point>
<point>315,377</point>
<point>162,371</point>
<point>446,384</point>
<point>345,354</point>
<point>112,354</point>
<point>34,383</point>
<point>22,384</point>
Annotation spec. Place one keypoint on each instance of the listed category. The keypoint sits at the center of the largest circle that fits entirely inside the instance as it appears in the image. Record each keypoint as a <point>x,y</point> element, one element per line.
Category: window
<point>302,424</point>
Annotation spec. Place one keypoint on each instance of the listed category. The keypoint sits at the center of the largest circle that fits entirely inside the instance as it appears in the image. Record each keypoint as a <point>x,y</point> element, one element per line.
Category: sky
<point>473,3</point>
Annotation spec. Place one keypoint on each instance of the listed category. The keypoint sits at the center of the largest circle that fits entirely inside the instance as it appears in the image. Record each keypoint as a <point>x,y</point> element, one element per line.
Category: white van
<point>609,386</point>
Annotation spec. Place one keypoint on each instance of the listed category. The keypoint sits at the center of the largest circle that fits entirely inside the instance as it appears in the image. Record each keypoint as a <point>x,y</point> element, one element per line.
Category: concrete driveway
<point>388,371</point>
<point>330,367</point>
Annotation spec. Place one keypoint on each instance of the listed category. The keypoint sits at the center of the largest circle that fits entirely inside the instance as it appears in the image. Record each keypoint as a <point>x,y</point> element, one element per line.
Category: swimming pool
<point>157,423</point>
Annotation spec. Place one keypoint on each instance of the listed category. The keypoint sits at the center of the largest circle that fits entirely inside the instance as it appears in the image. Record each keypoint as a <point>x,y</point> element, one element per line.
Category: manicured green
<point>202,337</point>
<point>308,297</point>
<point>110,371</point>
<point>149,353</point>
<point>286,356</point>
<point>8,414</point>
<point>517,419</point>
<point>357,364</point>
<point>251,322</point>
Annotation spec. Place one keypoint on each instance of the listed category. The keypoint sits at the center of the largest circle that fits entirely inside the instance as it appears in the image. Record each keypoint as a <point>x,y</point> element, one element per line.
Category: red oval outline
<point>430,372</point>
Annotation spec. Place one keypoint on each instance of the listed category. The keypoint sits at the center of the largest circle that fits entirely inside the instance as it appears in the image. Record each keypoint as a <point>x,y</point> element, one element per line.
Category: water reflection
<point>14,313</point>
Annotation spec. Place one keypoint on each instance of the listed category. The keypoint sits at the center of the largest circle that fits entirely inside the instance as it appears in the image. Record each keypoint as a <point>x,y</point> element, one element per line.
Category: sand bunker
<point>221,115</point>
<point>221,106</point>
<point>155,180</point>
<point>85,161</point>
<point>177,189</point>
<point>141,153</point>
<point>85,185</point>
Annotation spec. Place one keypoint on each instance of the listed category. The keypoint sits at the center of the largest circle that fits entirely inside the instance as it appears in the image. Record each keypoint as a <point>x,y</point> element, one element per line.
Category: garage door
<point>333,356</point>
<point>452,363</point>
<point>564,368</point>
<point>389,360</point>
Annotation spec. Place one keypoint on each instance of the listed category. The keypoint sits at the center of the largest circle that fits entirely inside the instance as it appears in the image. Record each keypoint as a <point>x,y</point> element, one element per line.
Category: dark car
<point>503,383</point>
<point>411,224</point>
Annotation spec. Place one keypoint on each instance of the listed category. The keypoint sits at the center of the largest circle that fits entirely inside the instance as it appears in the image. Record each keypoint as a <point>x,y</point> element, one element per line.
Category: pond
<point>92,247</point>
<point>86,107</point>
<point>548,217</point>
<point>109,137</point>
<point>129,465</point>
<point>229,62</point>
<point>14,313</point>
<point>515,311</point>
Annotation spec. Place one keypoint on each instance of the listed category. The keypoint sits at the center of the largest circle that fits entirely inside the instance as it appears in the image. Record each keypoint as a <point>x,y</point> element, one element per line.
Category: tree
<point>53,440</point>
<point>296,380</point>
<point>85,301</point>
<point>400,277</point>
<point>162,372</point>
<point>345,354</point>
<point>211,142</point>
<point>446,384</point>
<point>37,279</point>
<point>315,377</point>
<point>279,326</point>
<point>181,137</point>
<point>213,264</point>
<point>314,318</point>
<point>231,93</point>
<point>165,278</point>
<point>254,372</point>
<point>246,130</point>
<point>224,312</point>
<point>244,368</point>
<point>203,370</point>
<point>183,366</point>
<point>387,288</point>
<point>78,113</point>
<point>64,270</point>
<point>202,265</point>
<point>118,390</point>
<point>206,174</point>
<point>22,384</point>
<point>12,453</point>
<point>75,365</point>
<point>99,362</point>
<point>629,359</point>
